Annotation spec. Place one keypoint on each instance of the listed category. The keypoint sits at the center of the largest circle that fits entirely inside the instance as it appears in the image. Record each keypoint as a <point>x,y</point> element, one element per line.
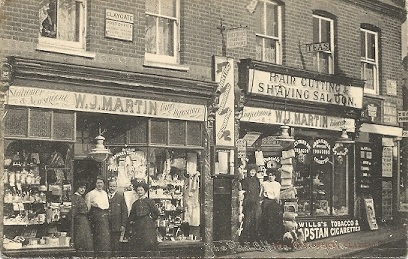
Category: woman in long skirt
<point>82,229</point>
<point>141,229</point>
<point>272,222</point>
<point>98,204</point>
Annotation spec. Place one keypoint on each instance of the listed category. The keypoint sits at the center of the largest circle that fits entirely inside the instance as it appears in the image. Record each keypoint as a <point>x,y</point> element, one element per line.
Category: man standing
<point>118,215</point>
<point>98,206</point>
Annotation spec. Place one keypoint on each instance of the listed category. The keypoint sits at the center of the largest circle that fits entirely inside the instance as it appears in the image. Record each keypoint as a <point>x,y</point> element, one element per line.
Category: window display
<point>37,195</point>
<point>321,177</point>
<point>173,177</point>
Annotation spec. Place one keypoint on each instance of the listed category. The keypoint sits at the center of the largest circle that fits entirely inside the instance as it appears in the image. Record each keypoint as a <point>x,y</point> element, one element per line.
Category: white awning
<point>382,129</point>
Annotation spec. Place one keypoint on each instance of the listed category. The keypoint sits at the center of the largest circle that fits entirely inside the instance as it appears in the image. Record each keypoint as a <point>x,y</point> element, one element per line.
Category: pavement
<point>388,241</point>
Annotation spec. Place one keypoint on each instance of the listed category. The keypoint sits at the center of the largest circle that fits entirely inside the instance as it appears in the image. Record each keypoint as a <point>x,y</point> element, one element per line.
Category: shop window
<point>269,32</point>
<point>138,131</point>
<point>177,132</point>
<point>323,32</point>
<point>194,133</point>
<point>62,25</point>
<point>37,195</point>
<point>40,123</point>
<point>162,31</point>
<point>321,178</point>
<point>16,122</point>
<point>158,132</point>
<point>174,179</point>
<point>64,126</point>
<point>369,60</point>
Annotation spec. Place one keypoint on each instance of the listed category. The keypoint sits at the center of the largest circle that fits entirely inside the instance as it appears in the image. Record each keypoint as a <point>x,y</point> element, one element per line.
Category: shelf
<point>21,224</point>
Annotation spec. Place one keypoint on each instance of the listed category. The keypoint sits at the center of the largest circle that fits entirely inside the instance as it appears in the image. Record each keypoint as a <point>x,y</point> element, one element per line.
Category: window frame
<point>176,38</point>
<point>331,52</point>
<point>46,43</point>
<point>264,36</point>
<point>365,60</point>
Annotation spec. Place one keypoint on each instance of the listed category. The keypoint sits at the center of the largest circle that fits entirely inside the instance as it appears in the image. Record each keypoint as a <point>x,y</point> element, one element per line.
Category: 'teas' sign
<point>402,116</point>
<point>317,47</point>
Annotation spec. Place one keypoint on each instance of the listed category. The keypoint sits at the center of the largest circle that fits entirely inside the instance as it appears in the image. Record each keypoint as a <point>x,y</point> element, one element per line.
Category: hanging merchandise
<point>259,158</point>
<point>192,215</point>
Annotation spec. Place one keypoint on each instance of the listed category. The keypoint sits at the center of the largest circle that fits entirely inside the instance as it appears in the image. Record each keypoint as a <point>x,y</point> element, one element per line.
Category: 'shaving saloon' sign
<point>305,89</point>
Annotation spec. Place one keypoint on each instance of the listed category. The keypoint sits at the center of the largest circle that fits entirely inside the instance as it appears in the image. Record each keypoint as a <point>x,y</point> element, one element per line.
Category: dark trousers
<point>100,227</point>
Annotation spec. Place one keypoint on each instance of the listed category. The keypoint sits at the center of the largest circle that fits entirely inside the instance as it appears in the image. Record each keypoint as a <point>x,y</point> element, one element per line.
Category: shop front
<point>317,166</point>
<point>51,127</point>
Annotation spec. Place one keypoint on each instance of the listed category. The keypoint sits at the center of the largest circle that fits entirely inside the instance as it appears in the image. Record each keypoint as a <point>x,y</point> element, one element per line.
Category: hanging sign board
<point>237,38</point>
<point>370,213</point>
<point>402,116</point>
<point>318,47</point>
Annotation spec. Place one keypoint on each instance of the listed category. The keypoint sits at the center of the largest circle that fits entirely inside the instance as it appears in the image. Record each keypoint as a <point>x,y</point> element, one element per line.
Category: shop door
<point>222,210</point>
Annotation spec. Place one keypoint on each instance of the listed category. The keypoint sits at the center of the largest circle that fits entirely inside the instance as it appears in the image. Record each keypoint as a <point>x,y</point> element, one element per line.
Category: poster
<point>369,208</point>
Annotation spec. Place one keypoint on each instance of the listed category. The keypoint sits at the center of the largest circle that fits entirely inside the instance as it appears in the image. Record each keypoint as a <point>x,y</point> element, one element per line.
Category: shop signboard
<point>292,87</point>
<point>88,102</point>
<point>318,229</point>
<point>372,110</point>
<point>224,117</point>
<point>387,162</point>
<point>296,119</point>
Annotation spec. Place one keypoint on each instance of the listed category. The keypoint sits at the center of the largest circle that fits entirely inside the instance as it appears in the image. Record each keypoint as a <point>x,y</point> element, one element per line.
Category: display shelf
<point>33,196</point>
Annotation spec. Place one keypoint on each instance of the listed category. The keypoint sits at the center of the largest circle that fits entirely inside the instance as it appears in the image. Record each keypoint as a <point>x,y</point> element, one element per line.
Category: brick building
<point>152,76</point>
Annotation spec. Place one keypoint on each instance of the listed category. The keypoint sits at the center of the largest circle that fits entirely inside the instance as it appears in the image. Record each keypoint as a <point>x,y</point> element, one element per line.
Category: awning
<point>382,129</point>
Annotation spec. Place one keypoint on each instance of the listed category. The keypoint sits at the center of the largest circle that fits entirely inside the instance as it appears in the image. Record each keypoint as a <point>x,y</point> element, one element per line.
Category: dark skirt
<point>143,235</point>
<point>272,221</point>
<point>83,235</point>
<point>100,227</point>
<point>252,212</point>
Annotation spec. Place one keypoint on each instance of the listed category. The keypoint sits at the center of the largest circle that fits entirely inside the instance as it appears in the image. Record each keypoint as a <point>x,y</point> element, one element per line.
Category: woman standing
<point>272,222</point>
<point>141,229</point>
<point>251,206</point>
<point>98,205</point>
<point>82,229</point>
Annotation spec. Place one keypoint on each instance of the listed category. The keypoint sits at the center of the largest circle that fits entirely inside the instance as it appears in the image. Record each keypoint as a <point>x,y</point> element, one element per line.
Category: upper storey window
<point>62,24</point>
<point>369,60</point>
<point>323,32</point>
<point>269,32</point>
<point>162,31</point>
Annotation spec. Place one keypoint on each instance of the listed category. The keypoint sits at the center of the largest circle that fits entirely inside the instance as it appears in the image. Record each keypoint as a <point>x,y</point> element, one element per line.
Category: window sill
<point>149,63</point>
<point>374,96</point>
<point>67,51</point>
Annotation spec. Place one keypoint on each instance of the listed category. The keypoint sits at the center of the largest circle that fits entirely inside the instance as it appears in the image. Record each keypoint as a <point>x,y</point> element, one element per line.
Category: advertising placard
<point>224,117</point>
<point>318,229</point>
<point>370,213</point>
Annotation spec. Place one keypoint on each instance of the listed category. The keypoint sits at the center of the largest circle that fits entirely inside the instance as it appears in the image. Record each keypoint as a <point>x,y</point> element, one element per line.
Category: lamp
<point>99,153</point>
<point>285,137</point>
<point>344,138</point>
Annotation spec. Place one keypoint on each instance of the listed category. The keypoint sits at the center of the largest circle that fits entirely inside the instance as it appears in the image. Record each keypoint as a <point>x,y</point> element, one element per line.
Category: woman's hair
<point>99,177</point>
<point>273,171</point>
<point>142,184</point>
<point>252,166</point>
<point>80,183</point>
